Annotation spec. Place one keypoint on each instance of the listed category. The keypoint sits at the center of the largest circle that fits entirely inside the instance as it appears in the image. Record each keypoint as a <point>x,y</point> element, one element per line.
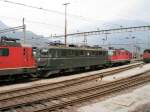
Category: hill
<point>31,38</point>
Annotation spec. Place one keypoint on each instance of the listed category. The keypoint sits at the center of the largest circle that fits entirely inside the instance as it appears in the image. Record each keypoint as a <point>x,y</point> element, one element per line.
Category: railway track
<point>42,87</point>
<point>77,97</point>
<point>39,96</point>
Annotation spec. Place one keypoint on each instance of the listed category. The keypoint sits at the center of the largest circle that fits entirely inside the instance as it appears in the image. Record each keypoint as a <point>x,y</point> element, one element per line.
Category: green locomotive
<point>58,59</point>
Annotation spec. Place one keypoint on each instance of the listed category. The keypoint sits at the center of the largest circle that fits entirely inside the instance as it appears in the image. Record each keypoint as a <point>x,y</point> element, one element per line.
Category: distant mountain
<point>31,38</point>
<point>129,40</point>
<point>2,25</point>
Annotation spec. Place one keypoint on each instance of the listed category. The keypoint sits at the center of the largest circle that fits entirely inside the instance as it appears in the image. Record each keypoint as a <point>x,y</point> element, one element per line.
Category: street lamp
<point>65,4</point>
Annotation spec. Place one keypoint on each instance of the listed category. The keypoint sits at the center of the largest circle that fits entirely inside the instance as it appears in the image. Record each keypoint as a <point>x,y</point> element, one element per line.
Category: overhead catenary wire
<point>56,12</point>
<point>120,44</point>
<point>109,31</point>
<point>52,11</point>
<point>11,29</point>
<point>35,22</point>
<point>49,10</point>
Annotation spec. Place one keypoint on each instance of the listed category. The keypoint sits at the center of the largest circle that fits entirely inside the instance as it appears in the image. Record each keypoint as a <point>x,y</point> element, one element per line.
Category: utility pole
<point>148,42</point>
<point>85,40</point>
<point>133,42</point>
<point>24,31</point>
<point>65,4</point>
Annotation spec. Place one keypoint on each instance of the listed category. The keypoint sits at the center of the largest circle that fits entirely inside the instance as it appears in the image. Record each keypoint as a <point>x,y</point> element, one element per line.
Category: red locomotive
<point>119,56</point>
<point>146,56</point>
<point>15,58</point>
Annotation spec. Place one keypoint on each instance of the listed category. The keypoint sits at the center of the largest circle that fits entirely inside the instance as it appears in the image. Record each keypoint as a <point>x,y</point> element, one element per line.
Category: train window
<point>53,53</point>
<point>96,53</point>
<point>88,53</point>
<point>63,53</point>
<point>76,53</point>
<point>34,52</point>
<point>70,53</point>
<point>73,53</point>
<point>57,53</point>
<point>93,53</point>
<point>147,51</point>
<point>4,52</point>
<point>100,53</point>
<point>104,53</point>
<point>81,53</point>
<point>110,53</point>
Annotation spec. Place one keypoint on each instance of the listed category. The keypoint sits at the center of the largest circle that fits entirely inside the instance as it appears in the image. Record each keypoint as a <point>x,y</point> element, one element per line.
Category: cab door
<point>25,57</point>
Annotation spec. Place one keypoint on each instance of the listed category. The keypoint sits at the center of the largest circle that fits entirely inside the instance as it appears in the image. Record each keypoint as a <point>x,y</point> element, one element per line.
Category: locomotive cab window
<point>147,51</point>
<point>110,53</point>
<point>104,53</point>
<point>34,52</point>
<point>4,52</point>
<point>44,52</point>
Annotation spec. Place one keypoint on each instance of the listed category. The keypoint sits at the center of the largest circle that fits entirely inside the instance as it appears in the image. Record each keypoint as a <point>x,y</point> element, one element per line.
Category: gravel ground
<point>135,99</point>
<point>142,107</point>
<point>132,100</point>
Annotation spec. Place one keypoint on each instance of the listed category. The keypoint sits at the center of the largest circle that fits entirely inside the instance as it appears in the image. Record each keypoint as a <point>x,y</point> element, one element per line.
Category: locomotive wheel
<point>33,75</point>
<point>47,74</point>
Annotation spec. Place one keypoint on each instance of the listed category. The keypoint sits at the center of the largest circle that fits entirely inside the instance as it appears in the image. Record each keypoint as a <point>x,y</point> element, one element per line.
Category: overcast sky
<point>80,13</point>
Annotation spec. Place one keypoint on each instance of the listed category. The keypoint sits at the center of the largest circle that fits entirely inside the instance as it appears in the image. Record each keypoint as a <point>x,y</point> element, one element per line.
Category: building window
<point>4,52</point>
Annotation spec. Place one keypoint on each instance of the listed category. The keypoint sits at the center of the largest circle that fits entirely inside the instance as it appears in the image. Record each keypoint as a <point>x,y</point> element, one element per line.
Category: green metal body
<point>51,59</point>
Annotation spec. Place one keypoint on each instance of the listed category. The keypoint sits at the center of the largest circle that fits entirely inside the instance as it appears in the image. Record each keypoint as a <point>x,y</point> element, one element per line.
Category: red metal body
<point>146,55</point>
<point>119,56</point>
<point>16,59</point>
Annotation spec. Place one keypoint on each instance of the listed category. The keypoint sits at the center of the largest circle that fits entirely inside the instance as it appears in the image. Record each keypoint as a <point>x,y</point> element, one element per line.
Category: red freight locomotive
<point>146,56</point>
<point>119,56</point>
<point>15,58</point>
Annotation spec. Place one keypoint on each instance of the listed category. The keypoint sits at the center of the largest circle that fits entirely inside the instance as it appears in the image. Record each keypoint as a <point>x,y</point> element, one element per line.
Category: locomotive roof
<point>12,44</point>
<point>26,45</point>
<point>146,51</point>
<point>117,50</point>
<point>74,48</point>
